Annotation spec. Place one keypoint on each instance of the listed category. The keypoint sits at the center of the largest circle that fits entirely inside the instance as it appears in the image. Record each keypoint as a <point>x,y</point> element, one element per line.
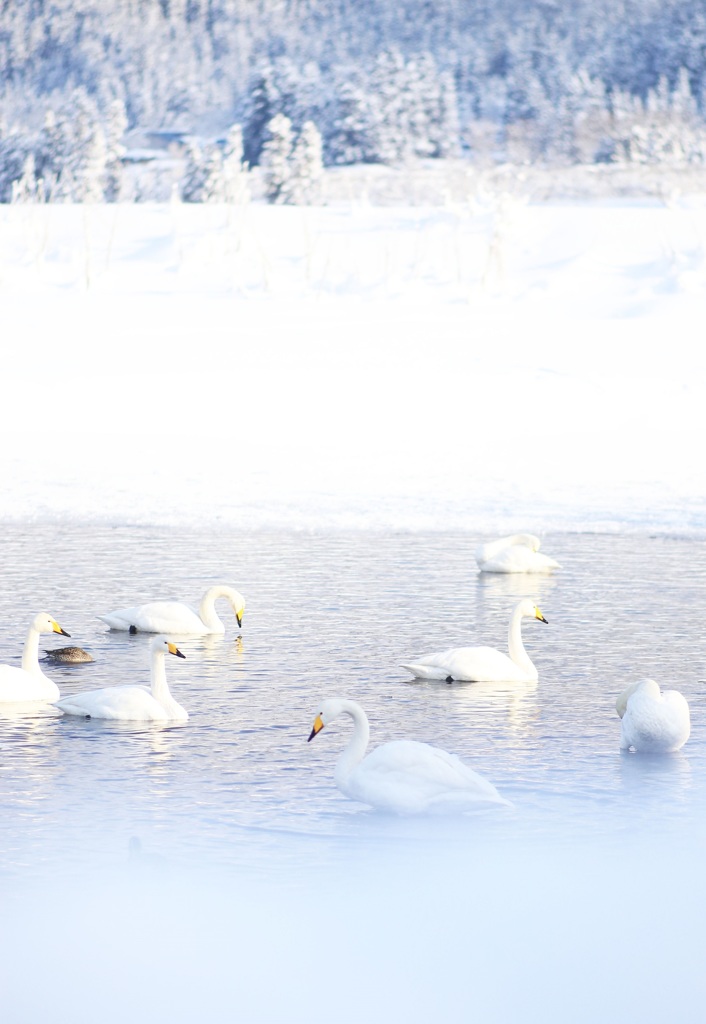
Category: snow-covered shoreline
<point>458,368</point>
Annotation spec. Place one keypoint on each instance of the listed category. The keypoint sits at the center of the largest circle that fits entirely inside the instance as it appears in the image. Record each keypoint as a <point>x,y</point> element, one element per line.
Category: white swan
<point>518,553</point>
<point>484,664</point>
<point>132,703</point>
<point>652,722</point>
<point>174,617</point>
<point>29,682</point>
<point>405,777</point>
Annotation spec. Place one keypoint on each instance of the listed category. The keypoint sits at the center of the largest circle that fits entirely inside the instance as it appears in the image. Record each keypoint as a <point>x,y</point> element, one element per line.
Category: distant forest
<point>573,81</point>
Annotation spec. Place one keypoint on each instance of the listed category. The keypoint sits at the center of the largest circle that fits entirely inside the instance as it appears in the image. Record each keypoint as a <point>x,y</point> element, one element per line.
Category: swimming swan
<point>484,664</point>
<point>29,682</point>
<point>518,553</point>
<point>404,777</point>
<point>174,617</point>
<point>652,722</point>
<point>132,703</point>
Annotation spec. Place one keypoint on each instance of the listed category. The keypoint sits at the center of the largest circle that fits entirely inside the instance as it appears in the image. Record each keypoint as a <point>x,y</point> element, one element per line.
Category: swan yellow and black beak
<point>538,615</point>
<point>173,649</point>
<point>318,726</point>
<point>57,629</point>
<point>239,619</point>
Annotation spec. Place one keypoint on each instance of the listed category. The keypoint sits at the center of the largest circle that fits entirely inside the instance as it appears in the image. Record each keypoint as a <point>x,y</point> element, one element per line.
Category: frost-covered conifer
<point>235,173</point>
<point>14,153</point>
<point>27,189</point>
<point>307,166</point>
<point>388,135</point>
<point>264,102</point>
<point>275,160</point>
<point>194,178</point>
<point>91,171</point>
<point>115,128</point>
<point>214,188</point>
<point>71,152</point>
<point>347,142</point>
<point>445,129</point>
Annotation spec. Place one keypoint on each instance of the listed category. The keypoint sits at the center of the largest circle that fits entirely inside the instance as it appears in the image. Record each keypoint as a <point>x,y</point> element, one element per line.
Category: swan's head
<point>237,603</point>
<point>529,610</point>
<point>162,646</point>
<point>329,710</point>
<point>528,540</point>
<point>648,686</point>
<point>44,623</point>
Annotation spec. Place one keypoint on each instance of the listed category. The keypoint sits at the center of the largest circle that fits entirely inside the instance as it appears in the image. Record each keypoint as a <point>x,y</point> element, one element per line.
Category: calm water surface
<point>335,614</point>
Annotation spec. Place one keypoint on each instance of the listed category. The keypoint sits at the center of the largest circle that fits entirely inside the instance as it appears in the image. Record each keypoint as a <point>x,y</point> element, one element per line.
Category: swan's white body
<point>404,777</point>
<point>174,617</point>
<point>132,703</point>
<point>518,553</point>
<point>29,683</point>
<point>652,722</point>
<point>484,664</point>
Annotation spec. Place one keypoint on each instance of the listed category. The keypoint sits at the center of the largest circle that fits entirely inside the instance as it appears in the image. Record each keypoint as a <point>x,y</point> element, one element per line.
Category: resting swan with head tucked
<point>132,703</point>
<point>29,682</point>
<point>404,777</point>
<point>518,553</point>
<point>174,617</point>
<point>653,722</point>
<point>484,664</point>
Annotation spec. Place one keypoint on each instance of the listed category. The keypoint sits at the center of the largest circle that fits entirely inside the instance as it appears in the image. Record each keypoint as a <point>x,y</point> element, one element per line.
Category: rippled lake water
<point>238,790</point>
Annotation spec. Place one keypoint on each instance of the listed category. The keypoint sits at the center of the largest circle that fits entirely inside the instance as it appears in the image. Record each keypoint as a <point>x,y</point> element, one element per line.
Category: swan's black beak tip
<point>311,735</point>
<point>64,633</point>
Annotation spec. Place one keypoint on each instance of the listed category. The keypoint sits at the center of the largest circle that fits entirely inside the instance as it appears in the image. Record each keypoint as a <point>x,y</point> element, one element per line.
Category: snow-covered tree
<point>71,152</point>
<point>276,160</point>
<point>214,186</point>
<point>347,141</point>
<point>236,188</point>
<point>193,180</point>
<point>27,189</point>
<point>91,181</point>
<point>306,166</point>
<point>115,126</point>
<point>15,151</point>
<point>264,102</point>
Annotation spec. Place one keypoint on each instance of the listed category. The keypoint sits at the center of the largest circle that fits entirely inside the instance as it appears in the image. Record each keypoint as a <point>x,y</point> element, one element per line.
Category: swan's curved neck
<point>207,608</point>
<point>30,652</point>
<point>358,743</point>
<point>514,642</point>
<point>159,687</point>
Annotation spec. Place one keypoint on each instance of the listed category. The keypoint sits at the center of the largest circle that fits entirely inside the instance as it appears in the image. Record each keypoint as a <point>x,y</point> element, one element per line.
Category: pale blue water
<point>242,814</point>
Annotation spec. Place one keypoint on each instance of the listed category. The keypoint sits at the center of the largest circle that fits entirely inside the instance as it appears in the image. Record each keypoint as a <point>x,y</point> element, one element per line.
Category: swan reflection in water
<point>484,705</point>
<point>536,586</point>
<point>653,783</point>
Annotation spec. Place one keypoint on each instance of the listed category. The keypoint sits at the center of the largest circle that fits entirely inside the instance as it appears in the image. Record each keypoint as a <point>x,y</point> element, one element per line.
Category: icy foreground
<point>484,935</point>
<point>492,366</point>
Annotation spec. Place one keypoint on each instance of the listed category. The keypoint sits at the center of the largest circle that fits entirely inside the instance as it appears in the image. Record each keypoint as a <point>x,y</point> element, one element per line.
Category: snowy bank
<point>480,365</point>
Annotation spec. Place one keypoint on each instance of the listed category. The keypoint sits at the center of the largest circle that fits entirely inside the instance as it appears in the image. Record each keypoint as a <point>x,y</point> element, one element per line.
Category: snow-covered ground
<point>486,364</point>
